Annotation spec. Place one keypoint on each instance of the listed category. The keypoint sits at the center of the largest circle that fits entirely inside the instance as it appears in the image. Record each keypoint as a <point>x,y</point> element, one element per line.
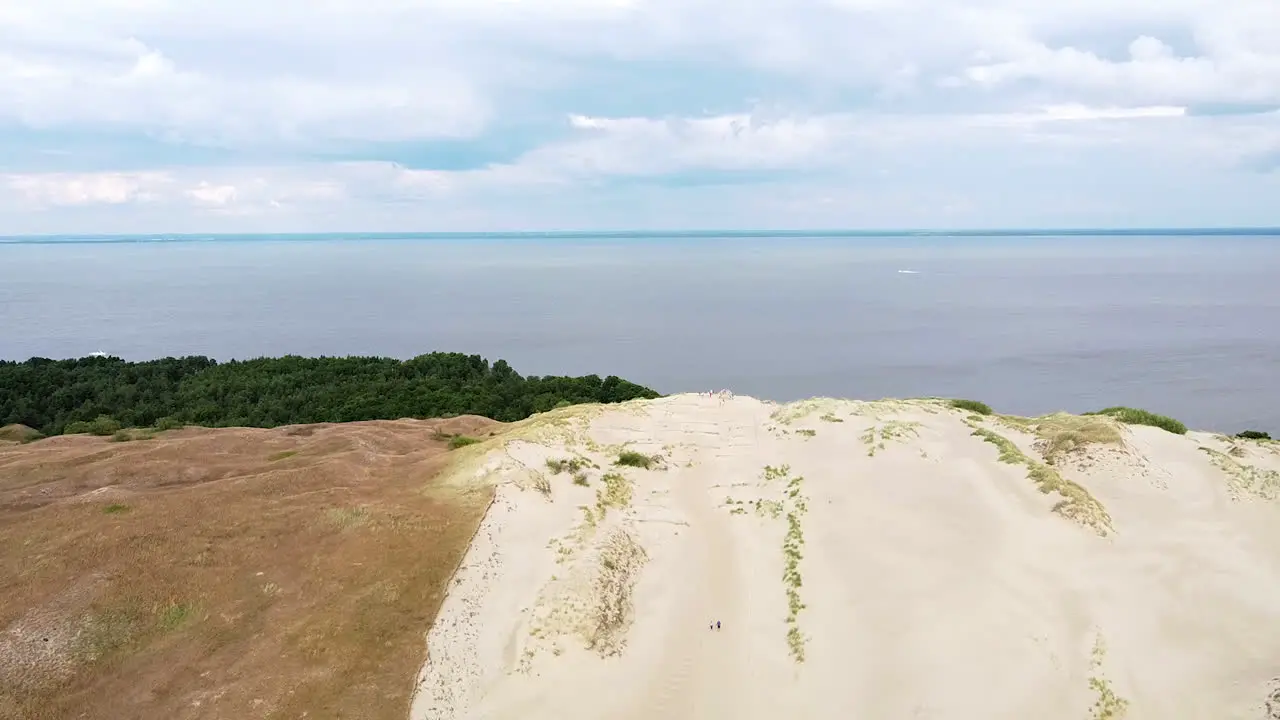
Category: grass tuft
<point>458,441</point>
<point>972,406</point>
<point>282,455</point>
<point>115,509</point>
<point>1135,416</point>
<point>569,465</point>
<point>174,614</point>
<point>631,458</point>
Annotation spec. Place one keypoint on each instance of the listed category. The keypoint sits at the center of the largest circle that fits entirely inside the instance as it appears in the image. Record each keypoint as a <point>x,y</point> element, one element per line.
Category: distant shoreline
<point>109,238</point>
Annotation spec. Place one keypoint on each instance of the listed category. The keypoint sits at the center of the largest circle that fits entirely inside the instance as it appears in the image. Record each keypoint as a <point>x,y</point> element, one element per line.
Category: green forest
<point>57,396</point>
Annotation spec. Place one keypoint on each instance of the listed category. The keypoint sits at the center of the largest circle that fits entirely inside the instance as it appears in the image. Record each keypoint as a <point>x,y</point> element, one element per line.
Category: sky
<point>155,116</point>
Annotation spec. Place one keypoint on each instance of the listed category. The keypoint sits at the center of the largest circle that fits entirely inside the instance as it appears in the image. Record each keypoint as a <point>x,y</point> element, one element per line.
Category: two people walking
<point>715,625</point>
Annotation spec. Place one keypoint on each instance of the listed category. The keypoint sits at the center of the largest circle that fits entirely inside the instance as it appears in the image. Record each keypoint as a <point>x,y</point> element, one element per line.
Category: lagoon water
<point>1183,325</point>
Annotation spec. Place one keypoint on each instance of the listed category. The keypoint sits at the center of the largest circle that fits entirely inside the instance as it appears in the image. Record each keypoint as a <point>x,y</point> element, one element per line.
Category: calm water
<point>1188,326</point>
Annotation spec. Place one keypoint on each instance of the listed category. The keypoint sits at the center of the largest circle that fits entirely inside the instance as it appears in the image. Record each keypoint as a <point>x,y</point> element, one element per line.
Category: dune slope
<point>895,559</point>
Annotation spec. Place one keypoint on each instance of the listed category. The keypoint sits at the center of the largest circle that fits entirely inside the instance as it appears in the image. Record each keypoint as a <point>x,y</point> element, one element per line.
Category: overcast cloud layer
<point>336,115</point>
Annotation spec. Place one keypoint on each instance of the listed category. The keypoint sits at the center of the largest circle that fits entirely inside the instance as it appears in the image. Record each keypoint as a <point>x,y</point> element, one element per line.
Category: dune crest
<point>891,559</point>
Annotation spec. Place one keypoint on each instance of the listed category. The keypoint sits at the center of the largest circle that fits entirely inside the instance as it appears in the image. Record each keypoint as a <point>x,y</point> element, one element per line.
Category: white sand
<point>937,582</point>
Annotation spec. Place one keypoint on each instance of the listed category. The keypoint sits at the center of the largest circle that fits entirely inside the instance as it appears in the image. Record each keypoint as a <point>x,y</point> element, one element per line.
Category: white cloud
<point>871,104</point>
<point>59,189</point>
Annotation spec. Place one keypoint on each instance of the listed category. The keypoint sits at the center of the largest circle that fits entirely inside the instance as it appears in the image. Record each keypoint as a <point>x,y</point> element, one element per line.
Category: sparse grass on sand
<point>543,485</point>
<point>878,435</point>
<point>620,561</point>
<point>1076,504</point>
<point>792,552</point>
<point>973,406</point>
<point>1060,434</point>
<point>570,465</point>
<point>1246,479</point>
<point>616,493</point>
<point>253,587</point>
<point>1134,416</point>
<point>1108,705</point>
<point>807,432</point>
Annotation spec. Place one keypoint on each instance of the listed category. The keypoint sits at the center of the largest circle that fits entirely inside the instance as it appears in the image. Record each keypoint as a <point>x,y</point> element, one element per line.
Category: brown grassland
<point>229,573</point>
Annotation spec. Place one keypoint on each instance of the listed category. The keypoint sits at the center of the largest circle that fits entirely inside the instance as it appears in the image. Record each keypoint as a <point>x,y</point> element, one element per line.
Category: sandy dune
<point>866,560</point>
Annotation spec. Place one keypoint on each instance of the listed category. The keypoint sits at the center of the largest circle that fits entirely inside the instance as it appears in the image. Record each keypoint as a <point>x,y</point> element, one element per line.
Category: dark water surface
<point>1187,326</point>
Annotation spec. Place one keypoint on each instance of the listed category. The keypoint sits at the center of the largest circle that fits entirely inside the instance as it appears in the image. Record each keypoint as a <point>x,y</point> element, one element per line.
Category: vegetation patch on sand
<point>792,552</point>
<point>1108,705</point>
<point>1061,434</point>
<point>620,561</point>
<point>631,458</point>
<point>973,406</point>
<point>1076,504</point>
<point>571,465</point>
<point>768,508</point>
<point>1253,435</point>
<point>1134,416</point>
<point>877,435</point>
<point>1245,479</point>
<point>227,579</point>
<point>616,493</point>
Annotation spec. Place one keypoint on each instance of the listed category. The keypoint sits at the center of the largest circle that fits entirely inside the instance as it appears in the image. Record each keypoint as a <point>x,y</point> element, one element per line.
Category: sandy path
<point>696,676</point>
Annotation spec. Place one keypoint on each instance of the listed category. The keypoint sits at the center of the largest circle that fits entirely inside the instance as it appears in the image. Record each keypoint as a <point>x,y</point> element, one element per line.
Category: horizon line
<point>49,238</point>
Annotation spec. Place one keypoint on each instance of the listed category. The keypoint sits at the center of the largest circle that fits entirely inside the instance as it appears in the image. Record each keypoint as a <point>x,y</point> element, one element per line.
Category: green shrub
<point>458,441</point>
<point>169,423</point>
<point>121,436</point>
<point>1253,435</point>
<point>115,509</point>
<point>630,458</point>
<point>103,425</point>
<point>973,406</point>
<point>1134,416</point>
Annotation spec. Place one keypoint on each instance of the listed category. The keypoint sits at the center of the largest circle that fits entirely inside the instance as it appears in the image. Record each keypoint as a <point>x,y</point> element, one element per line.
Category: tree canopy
<point>266,392</point>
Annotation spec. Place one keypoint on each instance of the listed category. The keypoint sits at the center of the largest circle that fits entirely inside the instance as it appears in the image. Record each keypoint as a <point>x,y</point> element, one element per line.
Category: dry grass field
<point>229,573</point>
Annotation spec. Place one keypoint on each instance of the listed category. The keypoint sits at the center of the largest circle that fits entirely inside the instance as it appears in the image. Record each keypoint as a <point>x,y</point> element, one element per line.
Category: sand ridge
<point>892,559</point>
